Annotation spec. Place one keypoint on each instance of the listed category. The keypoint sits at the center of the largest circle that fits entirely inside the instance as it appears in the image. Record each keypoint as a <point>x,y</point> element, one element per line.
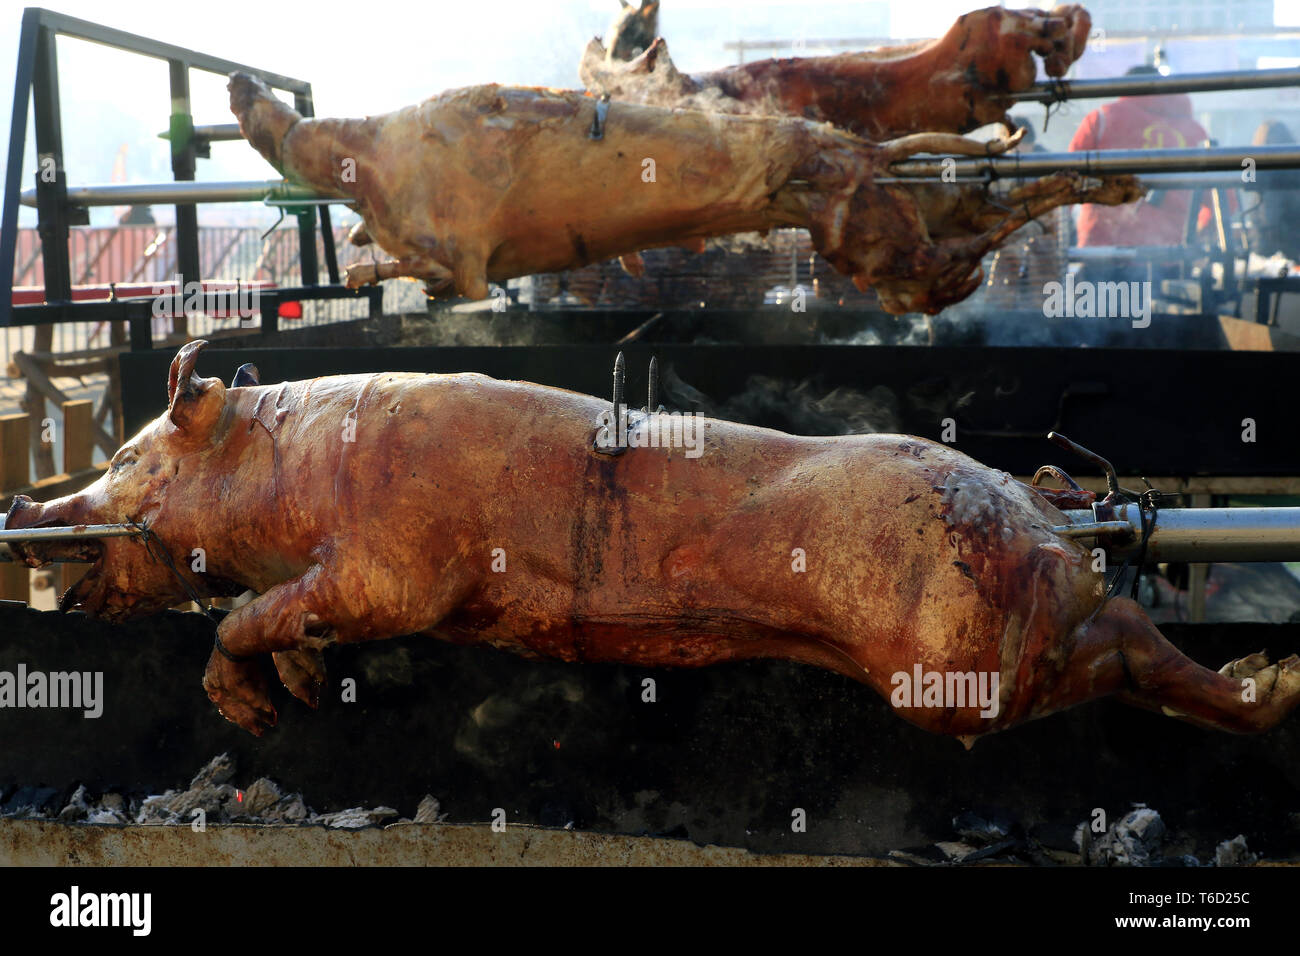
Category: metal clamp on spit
<point>613,427</point>
<point>1134,525</point>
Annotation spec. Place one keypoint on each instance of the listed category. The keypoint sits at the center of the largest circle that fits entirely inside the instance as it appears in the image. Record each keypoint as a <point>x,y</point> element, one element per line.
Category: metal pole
<point>186,192</point>
<point>1100,162</point>
<point>1155,85</point>
<point>212,133</point>
<point>1204,534</point>
<point>58,534</point>
<point>51,201</point>
<point>307,261</point>
<point>184,164</point>
<point>65,534</point>
<point>28,39</point>
<point>1133,253</point>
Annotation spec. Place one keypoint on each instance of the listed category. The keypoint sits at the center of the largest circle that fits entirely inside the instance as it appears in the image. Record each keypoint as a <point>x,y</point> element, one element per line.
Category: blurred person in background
<point>1273,222</point>
<point>1159,219</point>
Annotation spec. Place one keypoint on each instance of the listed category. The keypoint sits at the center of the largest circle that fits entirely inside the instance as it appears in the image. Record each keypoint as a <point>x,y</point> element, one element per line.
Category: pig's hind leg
<point>1120,651</point>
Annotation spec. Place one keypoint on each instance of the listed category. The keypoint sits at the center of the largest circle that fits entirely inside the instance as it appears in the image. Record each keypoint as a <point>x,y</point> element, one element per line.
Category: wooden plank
<point>108,353</point>
<point>78,435</point>
<point>36,378</point>
<point>78,450</point>
<point>15,582</point>
<point>42,452</point>
<point>15,472</point>
<point>34,402</point>
<point>1243,335</point>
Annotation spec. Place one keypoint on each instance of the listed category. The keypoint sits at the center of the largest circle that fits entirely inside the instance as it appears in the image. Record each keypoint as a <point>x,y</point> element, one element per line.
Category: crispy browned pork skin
<point>487,183</point>
<point>955,84</point>
<point>362,507</point>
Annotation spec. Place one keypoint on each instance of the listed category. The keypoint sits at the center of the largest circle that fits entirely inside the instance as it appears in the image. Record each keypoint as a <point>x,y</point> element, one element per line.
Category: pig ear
<point>183,366</point>
<point>246,375</point>
<point>194,403</point>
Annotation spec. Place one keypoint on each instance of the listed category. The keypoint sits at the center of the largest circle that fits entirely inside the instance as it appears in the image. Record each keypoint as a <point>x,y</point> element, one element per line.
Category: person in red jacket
<point>1139,122</point>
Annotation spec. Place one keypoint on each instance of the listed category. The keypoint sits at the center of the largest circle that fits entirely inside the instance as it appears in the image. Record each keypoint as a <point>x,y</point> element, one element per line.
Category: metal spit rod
<point>1181,534</point>
<point>1114,161</point>
<point>1198,534</point>
<point>58,534</point>
<point>1155,85</point>
<point>163,194</point>
<point>213,133</point>
<point>1100,162</point>
<point>1154,163</point>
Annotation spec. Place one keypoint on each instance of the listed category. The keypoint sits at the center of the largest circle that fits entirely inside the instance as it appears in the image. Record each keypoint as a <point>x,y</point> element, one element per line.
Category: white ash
<point>213,792</point>
<point>357,818</point>
<point>77,807</point>
<point>1133,840</point>
<point>429,811</point>
<point>1234,852</point>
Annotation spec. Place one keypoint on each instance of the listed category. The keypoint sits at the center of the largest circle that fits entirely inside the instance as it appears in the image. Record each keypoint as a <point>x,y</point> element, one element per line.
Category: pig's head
<point>633,30</point>
<point>143,484</point>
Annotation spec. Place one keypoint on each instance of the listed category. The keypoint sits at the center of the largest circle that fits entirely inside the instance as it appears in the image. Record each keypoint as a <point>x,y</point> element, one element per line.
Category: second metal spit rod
<point>1099,162</point>
<point>1152,84</point>
<point>1153,162</point>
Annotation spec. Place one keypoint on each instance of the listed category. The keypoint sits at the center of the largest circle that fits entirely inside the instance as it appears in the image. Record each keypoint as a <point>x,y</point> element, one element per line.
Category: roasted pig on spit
<point>488,183</point>
<point>363,507</point>
<point>955,84</point>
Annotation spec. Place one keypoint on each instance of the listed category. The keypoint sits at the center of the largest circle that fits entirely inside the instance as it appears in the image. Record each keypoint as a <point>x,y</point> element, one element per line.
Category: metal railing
<point>141,255</point>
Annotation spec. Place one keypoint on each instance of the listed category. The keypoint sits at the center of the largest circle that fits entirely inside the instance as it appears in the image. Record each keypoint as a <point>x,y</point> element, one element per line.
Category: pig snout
<point>63,512</point>
<point>26,513</point>
<point>23,513</point>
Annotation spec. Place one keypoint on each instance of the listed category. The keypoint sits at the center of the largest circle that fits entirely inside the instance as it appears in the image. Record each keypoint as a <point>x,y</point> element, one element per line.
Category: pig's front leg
<point>283,622</point>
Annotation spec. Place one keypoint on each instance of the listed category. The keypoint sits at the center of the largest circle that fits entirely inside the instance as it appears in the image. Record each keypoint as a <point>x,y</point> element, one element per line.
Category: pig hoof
<point>1274,683</point>
<point>1256,667</point>
<point>239,691</point>
<point>303,673</point>
<point>361,274</point>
